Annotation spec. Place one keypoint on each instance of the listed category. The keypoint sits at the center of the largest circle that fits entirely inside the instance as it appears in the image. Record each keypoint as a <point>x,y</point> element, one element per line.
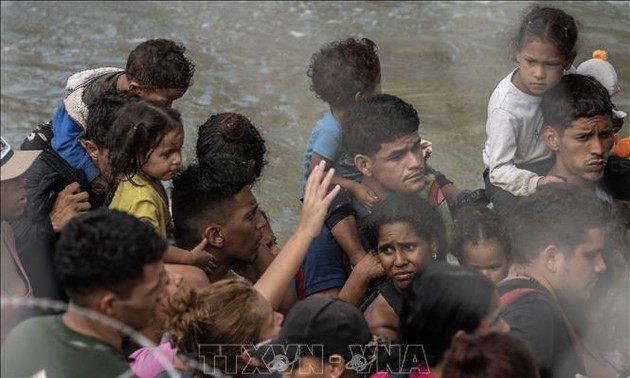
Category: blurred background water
<point>251,57</point>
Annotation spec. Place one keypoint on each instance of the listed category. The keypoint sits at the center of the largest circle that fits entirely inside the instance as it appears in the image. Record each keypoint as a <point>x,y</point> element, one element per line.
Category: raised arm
<point>273,283</point>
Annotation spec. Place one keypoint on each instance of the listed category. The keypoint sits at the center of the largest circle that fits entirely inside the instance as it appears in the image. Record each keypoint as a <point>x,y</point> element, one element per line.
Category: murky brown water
<point>251,57</point>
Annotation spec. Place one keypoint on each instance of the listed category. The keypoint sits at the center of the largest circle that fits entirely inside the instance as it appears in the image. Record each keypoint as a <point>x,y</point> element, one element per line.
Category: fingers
<point>201,246</point>
<point>314,179</point>
<point>72,188</point>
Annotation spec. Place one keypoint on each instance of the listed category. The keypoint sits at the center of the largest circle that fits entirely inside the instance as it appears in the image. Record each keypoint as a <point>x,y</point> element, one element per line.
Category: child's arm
<point>273,283</point>
<point>365,195</point>
<point>197,256</point>
<point>65,141</point>
<point>501,147</point>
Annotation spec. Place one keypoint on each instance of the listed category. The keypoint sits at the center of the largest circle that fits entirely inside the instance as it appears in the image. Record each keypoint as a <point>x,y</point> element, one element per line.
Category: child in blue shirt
<point>342,73</point>
<point>157,71</point>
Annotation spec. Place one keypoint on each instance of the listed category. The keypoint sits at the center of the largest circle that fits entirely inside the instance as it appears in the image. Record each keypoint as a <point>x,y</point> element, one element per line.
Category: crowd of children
<point>387,251</point>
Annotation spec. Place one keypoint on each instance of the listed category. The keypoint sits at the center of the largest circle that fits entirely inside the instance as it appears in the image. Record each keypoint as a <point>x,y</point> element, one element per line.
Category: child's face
<point>13,195</point>
<point>166,158</point>
<point>488,257</point>
<point>402,252</point>
<point>541,66</point>
<point>163,97</point>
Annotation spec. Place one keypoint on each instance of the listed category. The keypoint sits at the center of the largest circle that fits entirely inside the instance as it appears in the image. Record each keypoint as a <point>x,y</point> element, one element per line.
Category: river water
<point>443,57</point>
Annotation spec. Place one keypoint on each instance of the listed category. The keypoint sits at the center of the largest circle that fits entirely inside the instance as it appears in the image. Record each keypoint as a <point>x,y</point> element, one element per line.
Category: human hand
<point>70,202</point>
<point>365,195</point>
<point>203,259</point>
<point>370,266</point>
<point>317,198</point>
<point>546,180</point>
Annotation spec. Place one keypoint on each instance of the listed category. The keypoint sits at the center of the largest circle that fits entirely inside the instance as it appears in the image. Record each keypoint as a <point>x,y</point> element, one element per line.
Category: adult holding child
<point>515,155</point>
<point>157,70</point>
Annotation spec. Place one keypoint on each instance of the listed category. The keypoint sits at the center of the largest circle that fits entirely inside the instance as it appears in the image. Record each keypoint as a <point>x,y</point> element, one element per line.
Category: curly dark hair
<point>105,250</point>
<point>576,96</point>
<point>478,223</point>
<point>340,69</point>
<point>558,214</point>
<point>102,114</point>
<point>233,134</point>
<point>136,133</point>
<point>408,208</point>
<point>377,120</point>
<point>546,24</point>
<point>160,64</point>
<point>202,193</point>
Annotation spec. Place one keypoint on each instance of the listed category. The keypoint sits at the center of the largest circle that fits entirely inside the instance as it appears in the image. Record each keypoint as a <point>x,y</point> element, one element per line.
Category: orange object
<point>622,149</point>
<point>600,54</point>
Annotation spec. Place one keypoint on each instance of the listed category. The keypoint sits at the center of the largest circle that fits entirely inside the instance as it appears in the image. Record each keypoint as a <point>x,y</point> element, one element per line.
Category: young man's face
<point>399,165</point>
<point>242,233</point>
<point>578,270</point>
<point>13,195</point>
<point>138,310</point>
<point>583,149</point>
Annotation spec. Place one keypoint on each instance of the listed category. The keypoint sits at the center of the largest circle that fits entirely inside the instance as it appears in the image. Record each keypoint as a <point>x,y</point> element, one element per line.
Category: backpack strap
<point>511,296</point>
<point>391,296</point>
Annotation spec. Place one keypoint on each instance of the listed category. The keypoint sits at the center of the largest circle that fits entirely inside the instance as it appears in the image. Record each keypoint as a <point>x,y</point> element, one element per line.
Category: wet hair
<point>215,321</point>
<point>476,224</point>
<point>160,64</point>
<point>136,133</point>
<point>408,208</point>
<point>557,214</point>
<point>105,250</point>
<point>441,300</point>
<point>234,134</point>
<point>547,24</point>
<point>203,192</point>
<point>575,96</point>
<point>340,69</point>
<point>494,355</point>
<point>377,120</point>
<point>102,114</point>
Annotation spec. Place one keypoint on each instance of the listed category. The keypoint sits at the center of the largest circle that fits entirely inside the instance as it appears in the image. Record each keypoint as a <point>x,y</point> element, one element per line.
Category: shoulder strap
<point>511,296</point>
<point>391,296</point>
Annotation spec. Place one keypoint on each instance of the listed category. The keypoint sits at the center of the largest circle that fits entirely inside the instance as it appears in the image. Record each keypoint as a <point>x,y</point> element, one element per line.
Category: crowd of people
<point>392,270</point>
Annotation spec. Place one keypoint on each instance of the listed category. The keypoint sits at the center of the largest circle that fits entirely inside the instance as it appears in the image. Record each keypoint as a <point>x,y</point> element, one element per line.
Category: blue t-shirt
<point>326,142</point>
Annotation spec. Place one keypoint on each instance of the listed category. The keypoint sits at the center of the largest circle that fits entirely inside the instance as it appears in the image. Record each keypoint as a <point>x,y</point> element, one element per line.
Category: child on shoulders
<point>157,71</point>
<point>515,155</point>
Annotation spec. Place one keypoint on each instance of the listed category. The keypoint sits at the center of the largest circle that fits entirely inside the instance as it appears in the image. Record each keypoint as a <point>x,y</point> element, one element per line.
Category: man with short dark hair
<point>557,237</point>
<point>381,134</point>
<point>578,129</point>
<point>109,263</point>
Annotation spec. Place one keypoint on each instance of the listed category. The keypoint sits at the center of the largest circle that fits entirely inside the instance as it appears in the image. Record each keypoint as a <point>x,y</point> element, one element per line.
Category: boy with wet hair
<point>342,73</point>
<point>157,71</point>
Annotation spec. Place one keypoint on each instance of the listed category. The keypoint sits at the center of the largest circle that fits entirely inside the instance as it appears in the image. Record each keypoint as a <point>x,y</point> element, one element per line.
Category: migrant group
<point>392,270</point>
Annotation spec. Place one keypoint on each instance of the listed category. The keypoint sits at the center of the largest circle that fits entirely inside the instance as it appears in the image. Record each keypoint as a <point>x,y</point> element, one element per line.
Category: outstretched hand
<point>317,198</point>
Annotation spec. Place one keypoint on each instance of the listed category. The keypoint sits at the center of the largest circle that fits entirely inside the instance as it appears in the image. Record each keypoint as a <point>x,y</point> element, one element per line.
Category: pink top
<point>9,242</point>
<point>420,371</point>
<point>144,363</point>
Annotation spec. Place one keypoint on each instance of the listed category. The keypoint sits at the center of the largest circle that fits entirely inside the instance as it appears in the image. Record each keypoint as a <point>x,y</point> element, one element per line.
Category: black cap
<point>316,325</point>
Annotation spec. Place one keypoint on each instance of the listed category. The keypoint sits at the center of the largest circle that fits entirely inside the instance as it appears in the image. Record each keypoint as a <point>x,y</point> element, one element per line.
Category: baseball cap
<point>317,325</point>
<point>15,163</point>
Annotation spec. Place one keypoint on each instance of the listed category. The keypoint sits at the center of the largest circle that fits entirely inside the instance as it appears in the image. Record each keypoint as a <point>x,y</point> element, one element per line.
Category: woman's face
<point>402,252</point>
<point>493,321</point>
<point>272,321</point>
